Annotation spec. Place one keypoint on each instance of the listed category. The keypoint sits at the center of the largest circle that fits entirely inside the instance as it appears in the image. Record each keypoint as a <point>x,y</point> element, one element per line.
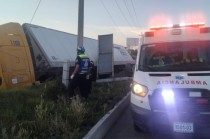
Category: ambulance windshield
<point>175,56</point>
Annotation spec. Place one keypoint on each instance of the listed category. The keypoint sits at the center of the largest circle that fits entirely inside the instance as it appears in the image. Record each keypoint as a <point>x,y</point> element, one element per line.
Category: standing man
<point>80,75</point>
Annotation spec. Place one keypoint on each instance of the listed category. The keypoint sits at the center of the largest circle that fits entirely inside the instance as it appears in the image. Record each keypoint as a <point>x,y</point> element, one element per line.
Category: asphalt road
<point>123,129</point>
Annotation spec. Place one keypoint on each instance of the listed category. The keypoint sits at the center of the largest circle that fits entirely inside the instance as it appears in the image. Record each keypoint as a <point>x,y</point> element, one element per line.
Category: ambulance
<point>171,82</point>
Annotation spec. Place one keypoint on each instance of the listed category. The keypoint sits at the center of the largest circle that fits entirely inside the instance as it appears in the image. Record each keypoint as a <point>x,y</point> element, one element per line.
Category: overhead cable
<point>135,11</point>
<point>135,24</point>
<point>122,13</point>
<point>35,11</point>
<point>111,17</point>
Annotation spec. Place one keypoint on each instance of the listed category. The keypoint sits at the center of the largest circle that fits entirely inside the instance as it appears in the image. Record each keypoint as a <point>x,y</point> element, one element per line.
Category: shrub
<point>53,115</point>
<point>54,89</point>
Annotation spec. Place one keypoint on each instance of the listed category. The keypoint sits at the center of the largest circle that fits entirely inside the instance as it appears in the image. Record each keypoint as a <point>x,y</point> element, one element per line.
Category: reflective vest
<point>84,64</point>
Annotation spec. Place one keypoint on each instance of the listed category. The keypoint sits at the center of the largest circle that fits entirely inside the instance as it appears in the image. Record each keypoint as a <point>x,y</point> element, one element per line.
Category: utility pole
<point>80,23</point>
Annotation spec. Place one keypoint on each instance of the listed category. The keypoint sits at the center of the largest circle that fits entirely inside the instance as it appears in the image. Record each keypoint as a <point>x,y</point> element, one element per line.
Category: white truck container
<point>171,82</point>
<point>51,48</point>
<point>30,53</point>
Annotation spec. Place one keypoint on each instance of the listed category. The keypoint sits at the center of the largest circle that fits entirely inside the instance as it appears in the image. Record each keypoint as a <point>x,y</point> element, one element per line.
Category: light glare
<point>139,90</point>
<point>168,96</point>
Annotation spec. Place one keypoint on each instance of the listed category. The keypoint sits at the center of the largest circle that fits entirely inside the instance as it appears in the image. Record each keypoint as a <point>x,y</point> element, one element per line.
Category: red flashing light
<point>205,30</point>
<point>149,34</point>
<point>160,27</point>
<point>194,24</point>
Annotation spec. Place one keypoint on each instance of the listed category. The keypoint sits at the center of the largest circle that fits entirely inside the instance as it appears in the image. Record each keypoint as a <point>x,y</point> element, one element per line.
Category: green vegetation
<point>44,112</point>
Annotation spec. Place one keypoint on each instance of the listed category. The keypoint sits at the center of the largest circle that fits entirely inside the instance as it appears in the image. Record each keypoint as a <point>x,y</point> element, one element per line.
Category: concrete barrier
<point>103,125</point>
<point>113,79</point>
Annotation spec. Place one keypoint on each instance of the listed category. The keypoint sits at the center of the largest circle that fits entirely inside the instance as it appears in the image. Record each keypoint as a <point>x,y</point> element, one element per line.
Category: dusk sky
<point>122,18</point>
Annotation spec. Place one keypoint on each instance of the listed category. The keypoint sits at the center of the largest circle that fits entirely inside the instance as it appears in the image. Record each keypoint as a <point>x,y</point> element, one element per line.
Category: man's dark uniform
<point>80,78</point>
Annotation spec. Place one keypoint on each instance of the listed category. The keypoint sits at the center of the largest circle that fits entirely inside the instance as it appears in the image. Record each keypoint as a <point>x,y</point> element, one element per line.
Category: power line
<point>111,17</point>
<point>35,11</point>
<point>108,13</point>
<point>122,13</point>
<point>134,11</point>
<point>135,24</point>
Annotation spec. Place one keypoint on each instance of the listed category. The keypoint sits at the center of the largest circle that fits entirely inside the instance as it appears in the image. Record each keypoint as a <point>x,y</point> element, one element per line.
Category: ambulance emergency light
<point>193,24</point>
<point>177,28</point>
<point>196,24</point>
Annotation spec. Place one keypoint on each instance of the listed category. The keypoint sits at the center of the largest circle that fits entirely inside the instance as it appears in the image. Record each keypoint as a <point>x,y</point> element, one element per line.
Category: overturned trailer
<point>51,48</point>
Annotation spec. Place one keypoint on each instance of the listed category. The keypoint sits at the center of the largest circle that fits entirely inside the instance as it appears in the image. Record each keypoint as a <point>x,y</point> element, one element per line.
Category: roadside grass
<point>44,111</point>
<point>18,105</point>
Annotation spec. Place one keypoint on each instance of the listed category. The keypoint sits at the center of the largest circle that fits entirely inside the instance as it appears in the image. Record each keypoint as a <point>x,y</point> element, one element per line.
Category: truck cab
<point>171,82</point>
<point>16,67</point>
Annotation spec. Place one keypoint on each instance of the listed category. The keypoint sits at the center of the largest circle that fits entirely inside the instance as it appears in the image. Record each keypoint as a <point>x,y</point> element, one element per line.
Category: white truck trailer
<point>51,48</point>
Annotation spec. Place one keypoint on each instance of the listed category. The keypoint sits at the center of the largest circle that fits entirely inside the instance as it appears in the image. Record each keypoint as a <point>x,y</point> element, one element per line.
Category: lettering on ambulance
<point>192,82</point>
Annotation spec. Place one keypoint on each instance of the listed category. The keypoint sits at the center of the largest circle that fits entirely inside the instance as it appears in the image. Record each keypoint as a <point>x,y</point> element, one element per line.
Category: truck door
<point>105,55</point>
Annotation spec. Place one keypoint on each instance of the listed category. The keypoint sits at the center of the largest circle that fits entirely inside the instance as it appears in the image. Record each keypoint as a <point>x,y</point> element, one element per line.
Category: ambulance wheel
<point>144,129</point>
<point>139,129</point>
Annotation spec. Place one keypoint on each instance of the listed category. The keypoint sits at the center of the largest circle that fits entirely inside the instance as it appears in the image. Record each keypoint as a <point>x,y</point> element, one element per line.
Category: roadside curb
<point>103,125</point>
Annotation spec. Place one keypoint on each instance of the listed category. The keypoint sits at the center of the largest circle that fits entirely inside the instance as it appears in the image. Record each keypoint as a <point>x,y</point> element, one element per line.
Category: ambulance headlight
<point>168,96</point>
<point>139,90</point>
